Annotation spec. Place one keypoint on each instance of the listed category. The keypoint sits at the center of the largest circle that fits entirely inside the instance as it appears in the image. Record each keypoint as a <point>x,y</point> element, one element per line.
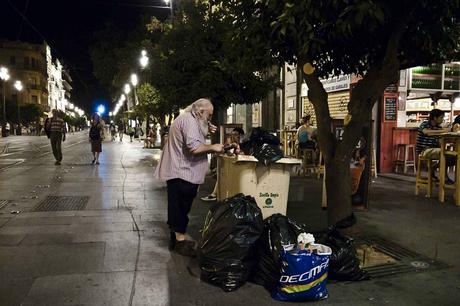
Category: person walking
<point>183,165</point>
<point>139,132</point>
<point>121,131</point>
<point>96,135</point>
<point>131,133</point>
<point>113,131</point>
<point>57,131</point>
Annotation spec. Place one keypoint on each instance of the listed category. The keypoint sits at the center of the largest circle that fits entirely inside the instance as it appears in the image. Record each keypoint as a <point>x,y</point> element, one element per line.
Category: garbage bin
<point>269,185</point>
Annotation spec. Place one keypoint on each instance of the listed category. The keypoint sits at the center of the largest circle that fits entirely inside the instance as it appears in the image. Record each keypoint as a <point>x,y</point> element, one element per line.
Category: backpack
<point>48,127</point>
<point>94,133</point>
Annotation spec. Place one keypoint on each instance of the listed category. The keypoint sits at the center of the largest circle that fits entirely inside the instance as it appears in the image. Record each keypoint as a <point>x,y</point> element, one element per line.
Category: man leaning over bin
<point>183,166</point>
<point>428,141</point>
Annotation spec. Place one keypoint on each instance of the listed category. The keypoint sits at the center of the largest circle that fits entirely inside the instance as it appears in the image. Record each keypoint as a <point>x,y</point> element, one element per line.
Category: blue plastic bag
<point>303,275</point>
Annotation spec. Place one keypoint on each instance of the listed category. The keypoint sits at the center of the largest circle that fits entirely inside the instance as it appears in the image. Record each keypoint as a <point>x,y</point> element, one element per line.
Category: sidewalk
<point>114,251</point>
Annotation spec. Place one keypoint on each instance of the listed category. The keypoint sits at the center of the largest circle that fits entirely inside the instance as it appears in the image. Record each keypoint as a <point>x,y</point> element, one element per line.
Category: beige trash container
<point>268,185</point>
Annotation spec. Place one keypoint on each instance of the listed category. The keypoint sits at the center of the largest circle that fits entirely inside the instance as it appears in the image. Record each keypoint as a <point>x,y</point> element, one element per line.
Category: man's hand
<point>212,128</point>
<point>63,138</point>
<point>218,147</point>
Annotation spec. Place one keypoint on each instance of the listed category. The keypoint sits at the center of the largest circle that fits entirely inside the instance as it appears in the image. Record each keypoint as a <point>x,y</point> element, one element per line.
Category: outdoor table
<point>444,138</point>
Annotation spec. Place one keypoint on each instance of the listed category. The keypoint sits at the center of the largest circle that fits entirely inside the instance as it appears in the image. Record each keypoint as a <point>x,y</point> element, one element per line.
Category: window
<point>26,62</point>
<point>15,98</point>
<point>35,99</point>
<point>32,62</point>
<point>12,60</point>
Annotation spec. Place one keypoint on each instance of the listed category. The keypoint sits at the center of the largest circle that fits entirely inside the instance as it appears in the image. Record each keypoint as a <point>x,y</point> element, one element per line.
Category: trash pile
<point>226,248</point>
<point>263,146</point>
<point>237,245</point>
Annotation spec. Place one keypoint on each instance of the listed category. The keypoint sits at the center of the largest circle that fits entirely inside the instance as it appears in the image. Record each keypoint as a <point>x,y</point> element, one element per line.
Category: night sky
<point>68,26</point>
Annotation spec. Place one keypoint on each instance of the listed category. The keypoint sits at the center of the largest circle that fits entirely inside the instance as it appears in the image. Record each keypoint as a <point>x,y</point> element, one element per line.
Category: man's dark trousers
<point>56,141</point>
<point>180,198</point>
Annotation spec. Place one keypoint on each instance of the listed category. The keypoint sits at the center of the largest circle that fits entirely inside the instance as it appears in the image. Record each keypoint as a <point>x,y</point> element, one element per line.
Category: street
<point>15,150</point>
<point>110,246</point>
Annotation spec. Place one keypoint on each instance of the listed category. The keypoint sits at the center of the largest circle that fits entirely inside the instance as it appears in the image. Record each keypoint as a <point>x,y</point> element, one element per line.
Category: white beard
<point>204,127</point>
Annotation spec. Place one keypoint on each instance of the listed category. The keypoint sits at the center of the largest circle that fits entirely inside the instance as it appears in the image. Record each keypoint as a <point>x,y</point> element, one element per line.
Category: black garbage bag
<point>259,136</point>
<point>267,154</point>
<point>226,248</point>
<point>279,230</point>
<point>263,146</point>
<point>344,262</point>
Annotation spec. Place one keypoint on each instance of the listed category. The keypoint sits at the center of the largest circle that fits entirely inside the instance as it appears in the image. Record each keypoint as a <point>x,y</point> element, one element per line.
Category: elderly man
<point>183,166</point>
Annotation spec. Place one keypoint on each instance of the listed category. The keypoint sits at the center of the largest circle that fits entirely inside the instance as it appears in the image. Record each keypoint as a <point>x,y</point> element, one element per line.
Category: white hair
<point>198,106</point>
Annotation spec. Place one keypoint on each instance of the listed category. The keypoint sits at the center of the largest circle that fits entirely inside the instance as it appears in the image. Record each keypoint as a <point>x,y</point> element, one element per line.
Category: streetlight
<point>5,76</point>
<point>127,89</point>
<point>18,86</point>
<point>144,60</point>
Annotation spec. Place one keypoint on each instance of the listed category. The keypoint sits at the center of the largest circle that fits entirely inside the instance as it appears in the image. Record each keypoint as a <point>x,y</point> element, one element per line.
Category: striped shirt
<point>177,161</point>
<point>424,141</point>
<point>57,125</point>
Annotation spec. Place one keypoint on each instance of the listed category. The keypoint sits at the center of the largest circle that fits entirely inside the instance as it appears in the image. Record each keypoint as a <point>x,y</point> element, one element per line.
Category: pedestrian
<point>150,140</point>
<point>183,166</point>
<point>121,130</point>
<point>139,132</point>
<point>96,135</point>
<point>113,131</point>
<point>131,133</point>
<point>57,131</point>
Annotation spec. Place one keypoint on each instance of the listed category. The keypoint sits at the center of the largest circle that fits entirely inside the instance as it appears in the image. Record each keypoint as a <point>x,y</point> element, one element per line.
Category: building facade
<point>27,63</point>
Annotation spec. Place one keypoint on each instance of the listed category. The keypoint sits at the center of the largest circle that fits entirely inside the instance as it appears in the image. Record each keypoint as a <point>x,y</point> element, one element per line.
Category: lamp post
<point>18,86</point>
<point>127,90</point>
<point>134,82</point>
<point>4,76</point>
<point>170,4</point>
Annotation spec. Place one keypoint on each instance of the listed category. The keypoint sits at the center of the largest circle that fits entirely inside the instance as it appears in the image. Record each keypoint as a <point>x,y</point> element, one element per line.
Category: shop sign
<point>392,88</point>
<point>390,108</point>
<point>336,83</point>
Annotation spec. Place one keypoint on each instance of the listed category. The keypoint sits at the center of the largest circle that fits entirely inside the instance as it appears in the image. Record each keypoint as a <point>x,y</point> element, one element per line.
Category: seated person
<point>428,140</point>
<point>233,143</point>
<point>357,165</point>
<point>456,124</point>
<point>304,136</point>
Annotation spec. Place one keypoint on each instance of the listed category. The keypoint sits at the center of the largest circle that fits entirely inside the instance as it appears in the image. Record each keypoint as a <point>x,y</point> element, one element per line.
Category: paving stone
<point>111,289</point>
<point>41,260</point>
<point>148,293</point>
<point>11,240</point>
<point>14,290</point>
<point>47,239</point>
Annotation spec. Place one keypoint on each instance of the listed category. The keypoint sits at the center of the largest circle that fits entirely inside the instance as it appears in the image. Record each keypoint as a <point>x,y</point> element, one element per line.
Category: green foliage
<point>197,58</point>
<point>30,113</point>
<point>150,103</point>
<point>349,36</point>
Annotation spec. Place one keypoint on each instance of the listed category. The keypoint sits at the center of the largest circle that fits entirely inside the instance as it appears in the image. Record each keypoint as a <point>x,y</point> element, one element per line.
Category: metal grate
<point>3,203</point>
<point>406,260</point>
<point>62,203</point>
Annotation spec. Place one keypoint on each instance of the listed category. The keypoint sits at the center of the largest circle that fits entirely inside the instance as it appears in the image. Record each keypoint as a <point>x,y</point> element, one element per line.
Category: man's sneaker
<point>449,181</point>
<point>57,163</point>
<point>209,198</point>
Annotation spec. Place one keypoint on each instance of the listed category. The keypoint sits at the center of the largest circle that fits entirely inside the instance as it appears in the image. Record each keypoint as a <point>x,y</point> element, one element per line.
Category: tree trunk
<point>338,189</point>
